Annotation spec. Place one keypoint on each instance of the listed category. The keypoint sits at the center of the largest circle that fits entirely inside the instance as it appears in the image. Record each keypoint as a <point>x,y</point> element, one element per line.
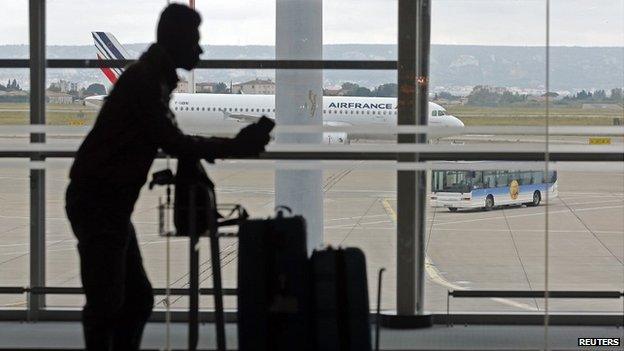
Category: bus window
<point>489,179</point>
<point>538,177</point>
<point>475,179</point>
<point>525,178</point>
<point>502,179</point>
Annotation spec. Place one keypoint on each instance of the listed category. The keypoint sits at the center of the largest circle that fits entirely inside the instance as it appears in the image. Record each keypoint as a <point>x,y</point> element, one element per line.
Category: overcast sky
<point>249,22</point>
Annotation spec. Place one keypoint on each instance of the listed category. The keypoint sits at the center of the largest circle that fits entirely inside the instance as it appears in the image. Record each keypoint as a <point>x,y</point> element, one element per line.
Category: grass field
<point>534,116</point>
<point>16,114</point>
<point>19,114</point>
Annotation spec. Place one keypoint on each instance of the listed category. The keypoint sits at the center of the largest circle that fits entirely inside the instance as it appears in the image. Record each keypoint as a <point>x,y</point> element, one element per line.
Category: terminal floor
<point>67,335</point>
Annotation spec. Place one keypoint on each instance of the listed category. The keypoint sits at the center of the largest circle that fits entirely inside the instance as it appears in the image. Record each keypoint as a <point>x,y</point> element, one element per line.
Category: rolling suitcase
<point>273,292</point>
<point>340,309</point>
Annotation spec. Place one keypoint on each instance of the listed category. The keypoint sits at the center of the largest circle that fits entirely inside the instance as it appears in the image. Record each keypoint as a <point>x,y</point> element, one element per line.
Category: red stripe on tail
<point>112,77</point>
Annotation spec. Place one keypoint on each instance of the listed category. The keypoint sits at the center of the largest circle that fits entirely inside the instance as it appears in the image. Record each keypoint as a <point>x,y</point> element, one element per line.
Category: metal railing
<point>527,294</point>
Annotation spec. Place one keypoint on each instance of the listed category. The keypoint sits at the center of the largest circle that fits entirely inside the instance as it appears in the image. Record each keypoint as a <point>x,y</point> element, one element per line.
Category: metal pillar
<point>37,176</point>
<point>299,101</point>
<point>413,79</point>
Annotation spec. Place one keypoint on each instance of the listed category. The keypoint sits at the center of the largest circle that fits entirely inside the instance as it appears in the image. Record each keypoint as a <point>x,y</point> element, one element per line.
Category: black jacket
<point>134,122</point>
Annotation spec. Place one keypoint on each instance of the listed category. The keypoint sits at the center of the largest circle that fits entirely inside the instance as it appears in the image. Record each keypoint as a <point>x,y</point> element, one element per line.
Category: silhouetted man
<point>112,165</point>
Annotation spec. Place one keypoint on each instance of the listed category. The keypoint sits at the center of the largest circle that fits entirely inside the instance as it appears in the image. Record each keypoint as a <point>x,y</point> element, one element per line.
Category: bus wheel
<point>489,202</point>
<point>537,198</point>
<point>453,209</point>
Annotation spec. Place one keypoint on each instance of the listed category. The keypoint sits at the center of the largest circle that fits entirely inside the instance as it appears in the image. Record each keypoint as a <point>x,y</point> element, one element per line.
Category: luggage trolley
<point>222,216</point>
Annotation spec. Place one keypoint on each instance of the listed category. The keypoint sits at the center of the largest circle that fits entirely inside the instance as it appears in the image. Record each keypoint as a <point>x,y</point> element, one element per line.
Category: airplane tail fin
<point>109,48</point>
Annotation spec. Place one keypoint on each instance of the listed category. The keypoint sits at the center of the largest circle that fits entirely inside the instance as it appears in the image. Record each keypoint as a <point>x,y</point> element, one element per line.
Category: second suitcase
<point>340,306</point>
<point>273,292</point>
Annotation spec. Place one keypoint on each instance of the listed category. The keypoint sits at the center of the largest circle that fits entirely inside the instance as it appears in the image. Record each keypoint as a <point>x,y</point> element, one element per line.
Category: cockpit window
<point>441,113</point>
<point>434,113</point>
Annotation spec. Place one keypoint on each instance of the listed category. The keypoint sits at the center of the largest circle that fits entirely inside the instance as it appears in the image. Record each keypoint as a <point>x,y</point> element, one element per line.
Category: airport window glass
<point>14,38</point>
<point>14,173</point>
<point>14,98</point>
<point>586,250</point>
<point>490,75</point>
<point>62,262</point>
<point>70,27</point>
<point>474,77</point>
<point>14,228</point>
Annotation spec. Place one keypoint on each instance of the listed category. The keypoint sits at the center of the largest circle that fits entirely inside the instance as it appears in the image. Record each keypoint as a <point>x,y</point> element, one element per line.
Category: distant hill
<point>452,66</point>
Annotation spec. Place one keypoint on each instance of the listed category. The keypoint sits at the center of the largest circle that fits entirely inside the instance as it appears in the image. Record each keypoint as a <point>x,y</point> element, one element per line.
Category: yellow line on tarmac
<point>434,274</point>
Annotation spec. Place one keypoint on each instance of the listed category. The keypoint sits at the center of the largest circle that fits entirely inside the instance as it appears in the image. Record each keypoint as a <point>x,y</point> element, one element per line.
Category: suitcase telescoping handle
<point>378,317</point>
<point>279,210</point>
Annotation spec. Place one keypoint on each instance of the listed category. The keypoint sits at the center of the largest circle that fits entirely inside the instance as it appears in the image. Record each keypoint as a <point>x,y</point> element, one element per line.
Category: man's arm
<point>162,130</point>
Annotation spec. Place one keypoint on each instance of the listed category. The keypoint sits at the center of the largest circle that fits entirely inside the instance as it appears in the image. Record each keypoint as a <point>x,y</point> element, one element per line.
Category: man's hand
<point>252,139</point>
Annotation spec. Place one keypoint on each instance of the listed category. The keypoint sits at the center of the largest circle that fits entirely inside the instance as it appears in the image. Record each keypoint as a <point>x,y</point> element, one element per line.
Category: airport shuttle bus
<point>487,189</point>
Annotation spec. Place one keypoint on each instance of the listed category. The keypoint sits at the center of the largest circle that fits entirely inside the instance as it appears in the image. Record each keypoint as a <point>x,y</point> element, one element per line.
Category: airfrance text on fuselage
<point>360,105</point>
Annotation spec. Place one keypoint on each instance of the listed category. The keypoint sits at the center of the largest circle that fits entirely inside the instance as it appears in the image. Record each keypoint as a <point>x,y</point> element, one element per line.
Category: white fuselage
<point>198,113</point>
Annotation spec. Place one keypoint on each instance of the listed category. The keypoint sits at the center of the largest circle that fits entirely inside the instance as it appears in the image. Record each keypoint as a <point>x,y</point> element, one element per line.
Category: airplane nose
<point>457,122</point>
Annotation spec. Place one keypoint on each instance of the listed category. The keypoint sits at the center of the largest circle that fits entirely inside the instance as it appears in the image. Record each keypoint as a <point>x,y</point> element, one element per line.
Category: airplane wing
<point>95,101</point>
<point>253,119</point>
<point>241,117</point>
<point>337,124</point>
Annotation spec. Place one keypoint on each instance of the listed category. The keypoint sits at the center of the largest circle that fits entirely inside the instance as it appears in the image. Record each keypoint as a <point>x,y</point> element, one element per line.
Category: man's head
<point>178,33</point>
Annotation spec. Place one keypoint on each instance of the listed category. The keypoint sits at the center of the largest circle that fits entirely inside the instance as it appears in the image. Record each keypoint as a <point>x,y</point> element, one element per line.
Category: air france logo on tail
<point>108,48</point>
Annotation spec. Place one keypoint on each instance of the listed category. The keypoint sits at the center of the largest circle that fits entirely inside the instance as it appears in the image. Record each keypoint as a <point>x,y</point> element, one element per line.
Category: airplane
<point>200,113</point>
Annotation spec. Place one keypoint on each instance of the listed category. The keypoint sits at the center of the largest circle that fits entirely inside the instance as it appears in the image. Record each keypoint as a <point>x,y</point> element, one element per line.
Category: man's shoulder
<point>139,76</point>
<point>138,71</point>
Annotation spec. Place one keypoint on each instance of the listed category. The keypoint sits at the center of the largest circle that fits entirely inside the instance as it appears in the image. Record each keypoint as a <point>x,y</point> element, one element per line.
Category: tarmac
<point>503,249</point>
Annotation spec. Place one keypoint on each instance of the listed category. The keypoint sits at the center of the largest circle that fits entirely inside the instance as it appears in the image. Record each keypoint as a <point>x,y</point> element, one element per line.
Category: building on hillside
<point>256,86</point>
<point>183,87</point>
<point>205,87</point>
<point>332,92</point>
<point>211,88</point>
<point>64,86</point>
